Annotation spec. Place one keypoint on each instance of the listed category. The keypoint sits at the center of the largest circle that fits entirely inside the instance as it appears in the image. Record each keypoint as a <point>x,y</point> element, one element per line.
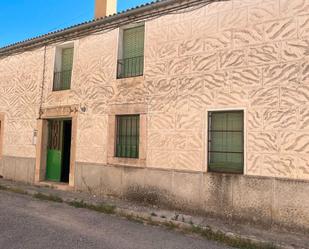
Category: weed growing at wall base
<point>236,242</point>
<point>47,197</point>
<point>102,208</point>
<point>14,190</point>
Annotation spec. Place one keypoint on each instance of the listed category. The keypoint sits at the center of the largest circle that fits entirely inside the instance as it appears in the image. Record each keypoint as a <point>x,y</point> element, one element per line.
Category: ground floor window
<point>127,136</point>
<point>226,141</point>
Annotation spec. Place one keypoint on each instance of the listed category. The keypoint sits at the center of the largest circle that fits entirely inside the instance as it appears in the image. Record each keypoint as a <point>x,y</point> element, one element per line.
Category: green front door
<point>54,155</point>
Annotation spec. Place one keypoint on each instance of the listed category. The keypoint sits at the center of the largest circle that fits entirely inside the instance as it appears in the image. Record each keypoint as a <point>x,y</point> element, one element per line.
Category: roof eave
<point>93,25</point>
<point>90,25</point>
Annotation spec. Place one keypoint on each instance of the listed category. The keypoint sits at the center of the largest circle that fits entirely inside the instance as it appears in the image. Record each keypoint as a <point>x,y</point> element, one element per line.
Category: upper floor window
<point>63,68</point>
<point>226,141</point>
<point>127,136</point>
<point>131,52</point>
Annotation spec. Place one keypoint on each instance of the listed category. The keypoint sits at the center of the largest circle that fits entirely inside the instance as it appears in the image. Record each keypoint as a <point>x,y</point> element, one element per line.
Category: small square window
<point>127,136</point>
<point>63,68</point>
<point>226,141</point>
<point>131,53</point>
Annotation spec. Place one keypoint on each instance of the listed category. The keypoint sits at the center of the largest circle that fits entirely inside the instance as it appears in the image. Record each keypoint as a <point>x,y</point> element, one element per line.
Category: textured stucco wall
<point>250,54</point>
<point>20,78</point>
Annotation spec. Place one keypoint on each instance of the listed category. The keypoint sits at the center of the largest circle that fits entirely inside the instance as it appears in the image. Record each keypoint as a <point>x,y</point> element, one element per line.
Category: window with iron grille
<point>131,63</point>
<point>226,141</point>
<point>127,136</point>
<point>63,70</point>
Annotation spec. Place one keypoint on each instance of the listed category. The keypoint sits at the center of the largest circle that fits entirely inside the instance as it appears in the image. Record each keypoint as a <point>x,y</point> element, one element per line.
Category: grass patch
<point>132,218</point>
<point>78,204</point>
<point>102,208</point>
<point>170,225</point>
<point>17,191</point>
<point>209,234</point>
<point>151,222</point>
<point>44,197</point>
<point>14,190</point>
<point>3,187</point>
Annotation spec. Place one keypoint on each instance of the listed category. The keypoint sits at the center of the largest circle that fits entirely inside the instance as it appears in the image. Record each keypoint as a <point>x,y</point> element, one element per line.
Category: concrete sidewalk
<point>156,216</point>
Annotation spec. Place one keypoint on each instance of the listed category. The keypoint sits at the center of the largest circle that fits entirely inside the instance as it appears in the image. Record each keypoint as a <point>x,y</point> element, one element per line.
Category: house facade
<point>202,104</point>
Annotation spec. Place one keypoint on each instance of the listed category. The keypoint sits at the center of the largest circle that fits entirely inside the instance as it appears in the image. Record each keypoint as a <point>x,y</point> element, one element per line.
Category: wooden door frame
<point>64,112</point>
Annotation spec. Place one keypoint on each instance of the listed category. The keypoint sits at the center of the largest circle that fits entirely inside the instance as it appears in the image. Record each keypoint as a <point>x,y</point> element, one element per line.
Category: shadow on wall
<point>149,196</point>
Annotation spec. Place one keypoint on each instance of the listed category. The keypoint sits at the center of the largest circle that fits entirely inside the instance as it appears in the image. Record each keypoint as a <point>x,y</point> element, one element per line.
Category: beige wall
<point>235,54</point>
<point>249,54</point>
<point>20,78</point>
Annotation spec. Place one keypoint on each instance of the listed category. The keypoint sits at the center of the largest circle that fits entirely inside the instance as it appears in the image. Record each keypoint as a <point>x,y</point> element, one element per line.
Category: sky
<point>23,19</point>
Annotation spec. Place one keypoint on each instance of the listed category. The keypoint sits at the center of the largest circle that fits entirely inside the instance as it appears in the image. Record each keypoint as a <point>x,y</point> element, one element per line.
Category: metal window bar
<point>127,136</point>
<point>130,67</point>
<point>210,131</point>
<point>62,80</point>
<point>54,140</point>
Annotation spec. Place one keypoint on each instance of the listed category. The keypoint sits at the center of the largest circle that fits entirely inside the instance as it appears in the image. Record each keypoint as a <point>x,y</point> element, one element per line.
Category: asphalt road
<point>27,223</point>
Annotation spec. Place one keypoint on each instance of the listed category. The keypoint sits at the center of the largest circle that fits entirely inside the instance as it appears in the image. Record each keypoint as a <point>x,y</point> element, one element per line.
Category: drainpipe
<point>42,83</point>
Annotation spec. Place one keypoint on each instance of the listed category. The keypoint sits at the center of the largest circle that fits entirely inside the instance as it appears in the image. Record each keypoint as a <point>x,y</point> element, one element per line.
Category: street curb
<point>145,217</point>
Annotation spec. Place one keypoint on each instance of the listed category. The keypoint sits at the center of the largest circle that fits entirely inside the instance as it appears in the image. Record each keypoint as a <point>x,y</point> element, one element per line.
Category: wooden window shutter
<point>67,59</point>
<point>133,42</point>
<point>62,79</point>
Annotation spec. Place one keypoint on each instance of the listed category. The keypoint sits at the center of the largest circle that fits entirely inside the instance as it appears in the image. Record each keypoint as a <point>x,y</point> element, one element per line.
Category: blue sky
<point>23,19</point>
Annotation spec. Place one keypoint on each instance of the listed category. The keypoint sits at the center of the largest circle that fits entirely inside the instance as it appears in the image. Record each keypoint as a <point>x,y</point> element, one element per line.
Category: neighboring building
<point>202,104</point>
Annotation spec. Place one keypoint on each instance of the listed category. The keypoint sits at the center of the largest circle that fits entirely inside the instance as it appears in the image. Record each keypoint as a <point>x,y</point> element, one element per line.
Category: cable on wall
<point>100,28</point>
<point>42,83</point>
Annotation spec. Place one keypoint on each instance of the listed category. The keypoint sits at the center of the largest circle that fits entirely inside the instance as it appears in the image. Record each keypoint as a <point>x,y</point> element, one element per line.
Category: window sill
<point>56,92</point>
<point>225,173</point>
<point>62,90</point>
<point>134,162</point>
<point>130,77</point>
